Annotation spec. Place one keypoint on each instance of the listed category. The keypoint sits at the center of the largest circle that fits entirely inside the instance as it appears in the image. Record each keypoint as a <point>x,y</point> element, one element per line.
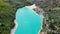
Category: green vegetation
<point>52,8</point>
<point>6,17</point>
<point>56,8</point>
<point>8,9</point>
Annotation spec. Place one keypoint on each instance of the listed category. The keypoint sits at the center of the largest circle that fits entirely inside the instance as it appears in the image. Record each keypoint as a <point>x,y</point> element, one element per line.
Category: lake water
<point>29,22</point>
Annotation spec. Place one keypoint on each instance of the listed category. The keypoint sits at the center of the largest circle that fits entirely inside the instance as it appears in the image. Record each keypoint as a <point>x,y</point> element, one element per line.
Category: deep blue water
<point>29,22</point>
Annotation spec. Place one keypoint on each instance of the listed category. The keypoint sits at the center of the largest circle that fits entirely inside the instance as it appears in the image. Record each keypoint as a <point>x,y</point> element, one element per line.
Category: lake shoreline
<point>15,27</point>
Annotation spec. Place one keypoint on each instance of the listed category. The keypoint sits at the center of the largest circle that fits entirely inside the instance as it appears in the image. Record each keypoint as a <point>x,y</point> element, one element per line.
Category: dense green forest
<point>8,9</point>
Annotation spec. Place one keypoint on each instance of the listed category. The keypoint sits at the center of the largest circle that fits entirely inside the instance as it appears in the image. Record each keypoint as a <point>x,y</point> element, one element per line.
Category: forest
<point>8,9</point>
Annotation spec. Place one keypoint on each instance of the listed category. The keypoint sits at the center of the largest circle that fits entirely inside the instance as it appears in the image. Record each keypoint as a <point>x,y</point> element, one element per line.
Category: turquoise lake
<point>29,22</point>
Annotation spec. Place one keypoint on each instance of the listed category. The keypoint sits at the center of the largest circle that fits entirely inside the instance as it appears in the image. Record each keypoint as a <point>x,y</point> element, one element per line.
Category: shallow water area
<point>29,22</point>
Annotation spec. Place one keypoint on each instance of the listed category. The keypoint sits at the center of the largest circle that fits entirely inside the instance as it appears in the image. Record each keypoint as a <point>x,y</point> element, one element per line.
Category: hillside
<point>51,7</point>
